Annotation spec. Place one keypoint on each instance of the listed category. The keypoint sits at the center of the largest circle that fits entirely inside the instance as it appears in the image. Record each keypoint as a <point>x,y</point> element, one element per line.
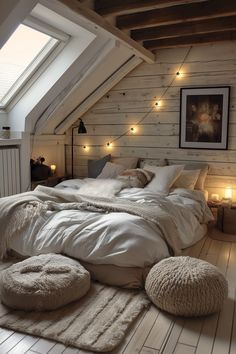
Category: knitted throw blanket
<point>27,206</point>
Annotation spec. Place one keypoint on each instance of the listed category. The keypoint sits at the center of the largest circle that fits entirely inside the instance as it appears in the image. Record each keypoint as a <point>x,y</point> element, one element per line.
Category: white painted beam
<point>92,16</point>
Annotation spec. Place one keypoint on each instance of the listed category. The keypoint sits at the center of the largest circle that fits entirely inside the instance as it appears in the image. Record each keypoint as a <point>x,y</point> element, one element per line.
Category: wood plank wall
<point>158,135</point>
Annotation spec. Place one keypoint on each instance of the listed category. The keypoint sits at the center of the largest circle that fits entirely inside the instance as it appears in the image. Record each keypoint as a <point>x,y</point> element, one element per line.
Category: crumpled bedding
<point>115,238</point>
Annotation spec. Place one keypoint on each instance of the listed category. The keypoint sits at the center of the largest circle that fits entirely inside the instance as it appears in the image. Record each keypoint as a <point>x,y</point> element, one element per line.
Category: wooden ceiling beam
<point>115,33</point>
<point>117,7</point>
<point>178,14</point>
<point>190,40</point>
<point>184,29</point>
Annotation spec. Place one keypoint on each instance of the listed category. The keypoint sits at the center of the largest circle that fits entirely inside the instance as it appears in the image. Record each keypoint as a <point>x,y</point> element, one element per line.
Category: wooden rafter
<point>190,40</point>
<point>184,29</point>
<point>92,16</point>
<point>178,14</point>
<point>115,7</point>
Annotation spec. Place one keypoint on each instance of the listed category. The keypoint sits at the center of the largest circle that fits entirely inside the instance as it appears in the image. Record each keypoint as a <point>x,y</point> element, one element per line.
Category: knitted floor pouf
<point>186,286</point>
<point>44,282</point>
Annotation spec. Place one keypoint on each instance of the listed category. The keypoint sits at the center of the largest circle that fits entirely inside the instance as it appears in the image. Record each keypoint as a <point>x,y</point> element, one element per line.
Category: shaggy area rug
<point>96,322</point>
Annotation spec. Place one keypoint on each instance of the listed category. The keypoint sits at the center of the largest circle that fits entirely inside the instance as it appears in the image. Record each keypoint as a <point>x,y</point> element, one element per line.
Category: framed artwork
<point>204,116</point>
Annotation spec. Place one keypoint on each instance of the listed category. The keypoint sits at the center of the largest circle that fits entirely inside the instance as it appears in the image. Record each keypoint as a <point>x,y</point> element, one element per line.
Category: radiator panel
<point>9,171</point>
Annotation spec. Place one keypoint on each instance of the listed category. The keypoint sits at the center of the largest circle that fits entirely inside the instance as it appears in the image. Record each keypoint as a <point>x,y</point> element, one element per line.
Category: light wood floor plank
<point>70,350</point>
<point>233,335</point>
<point>184,349</point>
<point>4,334</point>
<point>25,344</point>
<point>11,342</point>
<point>223,333</point>
<point>191,331</point>
<point>139,338</point>
<point>57,349</point>
<point>146,350</point>
<point>159,331</point>
<point>173,337</point>
<point>43,346</point>
<point>207,335</point>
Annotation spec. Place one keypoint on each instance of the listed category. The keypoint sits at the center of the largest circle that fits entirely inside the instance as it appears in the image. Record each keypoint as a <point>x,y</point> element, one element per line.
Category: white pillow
<point>187,179</point>
<point>164,177</point>
<point>111,170</point>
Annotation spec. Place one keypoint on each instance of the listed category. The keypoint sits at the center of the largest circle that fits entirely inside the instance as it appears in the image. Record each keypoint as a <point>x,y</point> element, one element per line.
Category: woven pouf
<point>43,282</point>
<point>186,286</point>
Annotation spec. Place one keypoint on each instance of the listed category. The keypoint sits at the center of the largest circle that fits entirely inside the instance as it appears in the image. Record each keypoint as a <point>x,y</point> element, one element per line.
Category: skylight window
<point>20,57</point>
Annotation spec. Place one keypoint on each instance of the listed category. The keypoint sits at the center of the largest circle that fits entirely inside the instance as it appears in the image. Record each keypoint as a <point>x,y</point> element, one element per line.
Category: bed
<point>116,231</point>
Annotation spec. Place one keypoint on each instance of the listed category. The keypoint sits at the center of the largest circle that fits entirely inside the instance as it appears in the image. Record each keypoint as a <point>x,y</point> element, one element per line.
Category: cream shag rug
<point>96,322</point>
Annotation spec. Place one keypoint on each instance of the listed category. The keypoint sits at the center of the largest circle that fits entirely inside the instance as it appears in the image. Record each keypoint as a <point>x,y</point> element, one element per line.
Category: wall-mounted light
<point>81,130</point>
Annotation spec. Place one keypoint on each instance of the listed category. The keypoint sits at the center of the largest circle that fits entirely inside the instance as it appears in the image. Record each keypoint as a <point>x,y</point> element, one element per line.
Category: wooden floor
<point>156,332</point>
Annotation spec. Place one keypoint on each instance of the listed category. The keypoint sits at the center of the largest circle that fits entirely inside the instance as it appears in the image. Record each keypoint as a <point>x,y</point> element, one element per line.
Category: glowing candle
<point>53,168</point>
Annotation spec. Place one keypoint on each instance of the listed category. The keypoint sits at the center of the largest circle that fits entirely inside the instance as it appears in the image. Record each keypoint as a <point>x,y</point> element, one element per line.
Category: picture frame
<point>204,117</point>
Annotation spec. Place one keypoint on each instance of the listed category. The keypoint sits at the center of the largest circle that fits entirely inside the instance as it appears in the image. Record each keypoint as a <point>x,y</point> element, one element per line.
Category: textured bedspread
<point>132,230</point>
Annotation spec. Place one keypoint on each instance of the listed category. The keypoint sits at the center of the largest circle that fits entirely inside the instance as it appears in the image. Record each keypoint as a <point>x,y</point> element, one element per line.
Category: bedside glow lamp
<point>228,193</point>
<point>53,169</point>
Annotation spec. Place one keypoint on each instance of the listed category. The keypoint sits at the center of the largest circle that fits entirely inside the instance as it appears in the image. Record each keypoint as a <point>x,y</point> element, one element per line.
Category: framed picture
<point>204,116</point>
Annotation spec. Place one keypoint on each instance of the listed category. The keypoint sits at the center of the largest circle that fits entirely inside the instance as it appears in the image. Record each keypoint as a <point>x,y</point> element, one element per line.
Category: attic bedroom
<point>117,176</point>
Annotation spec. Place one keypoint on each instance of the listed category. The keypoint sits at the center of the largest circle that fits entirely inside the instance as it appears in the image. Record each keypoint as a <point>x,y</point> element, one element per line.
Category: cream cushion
<point>187,179</point>
<point>164,177</point>
<point>186,286</point>
<point>44,282</point>
<point>111,170</point>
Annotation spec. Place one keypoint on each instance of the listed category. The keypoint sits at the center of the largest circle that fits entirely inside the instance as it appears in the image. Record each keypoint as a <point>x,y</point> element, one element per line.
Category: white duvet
<point>116,238</point>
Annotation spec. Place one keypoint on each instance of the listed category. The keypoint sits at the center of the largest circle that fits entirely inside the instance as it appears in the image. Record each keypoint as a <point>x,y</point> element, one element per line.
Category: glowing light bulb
<point>179,74</point>
<point>85,147</point>
<point>133,130</point>
<point>109,145</point>
<point>158,104</point>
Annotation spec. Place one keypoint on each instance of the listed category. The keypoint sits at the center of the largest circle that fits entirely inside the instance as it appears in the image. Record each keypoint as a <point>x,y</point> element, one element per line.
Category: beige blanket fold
<point>16,211</point>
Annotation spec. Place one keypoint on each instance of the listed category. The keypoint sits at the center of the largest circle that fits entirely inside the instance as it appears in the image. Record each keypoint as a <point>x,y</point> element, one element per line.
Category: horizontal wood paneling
<point>158,134</point>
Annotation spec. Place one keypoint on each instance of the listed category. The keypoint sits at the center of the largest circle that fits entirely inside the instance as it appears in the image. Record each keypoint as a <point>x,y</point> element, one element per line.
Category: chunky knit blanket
<point>16,212</point>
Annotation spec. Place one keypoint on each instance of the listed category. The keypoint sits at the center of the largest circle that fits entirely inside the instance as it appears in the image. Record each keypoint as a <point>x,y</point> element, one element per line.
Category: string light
<point>156,105</point>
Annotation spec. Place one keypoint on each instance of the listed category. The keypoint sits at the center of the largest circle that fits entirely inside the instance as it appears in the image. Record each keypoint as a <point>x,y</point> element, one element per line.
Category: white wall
<point>158,135</point>
<point>3,119</point>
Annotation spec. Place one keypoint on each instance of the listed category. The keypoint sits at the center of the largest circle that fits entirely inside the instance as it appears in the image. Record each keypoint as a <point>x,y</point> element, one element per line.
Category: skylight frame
<point>39,64</point>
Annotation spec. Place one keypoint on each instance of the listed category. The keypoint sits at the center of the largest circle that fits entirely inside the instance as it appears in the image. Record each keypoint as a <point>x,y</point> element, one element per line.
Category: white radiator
<point>9,171</point>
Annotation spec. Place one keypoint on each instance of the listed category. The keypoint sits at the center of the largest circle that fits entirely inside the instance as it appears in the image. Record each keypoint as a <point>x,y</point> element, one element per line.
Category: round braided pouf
<point>44,282</point>
<point>186,286</point>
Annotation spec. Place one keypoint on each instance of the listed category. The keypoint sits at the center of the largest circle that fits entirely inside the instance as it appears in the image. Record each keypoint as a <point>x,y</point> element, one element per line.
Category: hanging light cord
<point>153,107</point>
<point>159,99</point>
